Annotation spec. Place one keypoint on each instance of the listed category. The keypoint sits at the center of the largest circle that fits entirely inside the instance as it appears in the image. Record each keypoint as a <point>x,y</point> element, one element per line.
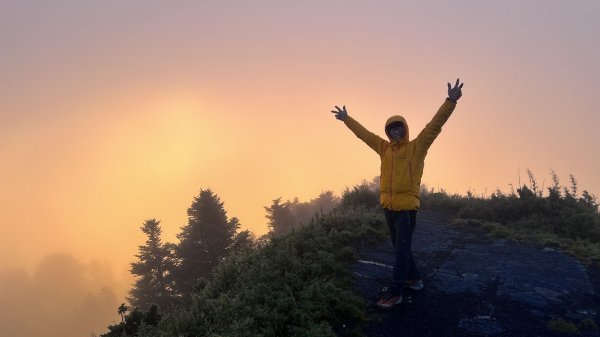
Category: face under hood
<point>394,119</point>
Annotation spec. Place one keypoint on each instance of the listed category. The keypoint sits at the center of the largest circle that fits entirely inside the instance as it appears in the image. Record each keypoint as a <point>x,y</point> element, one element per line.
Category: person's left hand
<point>454,93</point>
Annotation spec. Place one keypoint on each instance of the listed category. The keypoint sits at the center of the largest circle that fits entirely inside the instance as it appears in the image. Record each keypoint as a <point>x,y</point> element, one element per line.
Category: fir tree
<point>243,241</point>
<point>281,218</point>
<point>153,270</point>
<point>204,241</point>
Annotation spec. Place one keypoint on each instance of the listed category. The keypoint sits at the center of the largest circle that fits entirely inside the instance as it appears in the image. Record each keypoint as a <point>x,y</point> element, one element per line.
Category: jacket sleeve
<point>374,141</point>
<point>434,127</point>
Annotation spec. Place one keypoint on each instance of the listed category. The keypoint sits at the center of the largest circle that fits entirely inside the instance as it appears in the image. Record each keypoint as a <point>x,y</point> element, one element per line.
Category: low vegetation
<point>559,217</point>
<point>570,328</point>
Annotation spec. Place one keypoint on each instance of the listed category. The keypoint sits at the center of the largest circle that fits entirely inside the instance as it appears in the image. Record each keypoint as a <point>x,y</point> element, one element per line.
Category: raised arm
<point>372,140</point>
<point>434,127</point>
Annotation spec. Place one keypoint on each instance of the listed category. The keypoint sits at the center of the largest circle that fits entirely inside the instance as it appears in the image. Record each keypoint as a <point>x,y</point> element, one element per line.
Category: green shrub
<point>560,219</point>
<point>365,195</point>
<point>588,324</point>
<point>562,326</point>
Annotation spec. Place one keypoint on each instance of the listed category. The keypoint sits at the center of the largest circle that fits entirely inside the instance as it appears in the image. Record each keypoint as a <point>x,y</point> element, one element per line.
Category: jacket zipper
<point>391,179</point>
<point>410,173</point>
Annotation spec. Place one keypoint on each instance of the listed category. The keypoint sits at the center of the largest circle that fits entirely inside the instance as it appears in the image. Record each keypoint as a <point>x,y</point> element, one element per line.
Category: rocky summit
<point>479,286</point>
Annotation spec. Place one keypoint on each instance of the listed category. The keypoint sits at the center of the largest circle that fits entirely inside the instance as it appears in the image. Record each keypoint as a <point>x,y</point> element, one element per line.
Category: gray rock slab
<point>481,326</point>
<point>527,274</point>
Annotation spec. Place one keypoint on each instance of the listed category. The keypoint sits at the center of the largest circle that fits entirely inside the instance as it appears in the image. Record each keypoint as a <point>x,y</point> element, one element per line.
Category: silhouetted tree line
<point>167,273</point>
<point>284,216</point>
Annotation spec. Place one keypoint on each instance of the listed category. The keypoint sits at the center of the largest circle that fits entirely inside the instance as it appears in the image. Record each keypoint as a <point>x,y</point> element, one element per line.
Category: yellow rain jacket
<point>402,161</point>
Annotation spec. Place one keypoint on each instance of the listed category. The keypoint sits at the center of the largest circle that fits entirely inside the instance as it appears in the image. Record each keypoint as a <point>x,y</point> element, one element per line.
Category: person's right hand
<point>340,114</point>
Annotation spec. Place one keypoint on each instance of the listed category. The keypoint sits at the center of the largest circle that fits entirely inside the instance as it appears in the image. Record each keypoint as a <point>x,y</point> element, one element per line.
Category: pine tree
<point>204,241</point>
<point>153,270</point>
<point>243,241</point>
<point>281,217</point>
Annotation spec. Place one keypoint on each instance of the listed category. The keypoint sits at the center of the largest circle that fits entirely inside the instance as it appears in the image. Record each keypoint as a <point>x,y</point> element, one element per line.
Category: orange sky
<point>114,112</point>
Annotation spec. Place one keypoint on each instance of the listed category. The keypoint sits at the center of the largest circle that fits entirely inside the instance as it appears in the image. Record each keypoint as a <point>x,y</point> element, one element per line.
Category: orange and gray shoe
<point>389,301</point>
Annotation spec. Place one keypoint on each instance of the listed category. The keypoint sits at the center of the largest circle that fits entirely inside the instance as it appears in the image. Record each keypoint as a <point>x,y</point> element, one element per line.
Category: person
<point>402,163</point>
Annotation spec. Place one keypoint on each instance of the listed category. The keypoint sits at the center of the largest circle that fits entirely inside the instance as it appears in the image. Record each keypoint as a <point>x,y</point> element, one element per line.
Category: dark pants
<point>401,225</point>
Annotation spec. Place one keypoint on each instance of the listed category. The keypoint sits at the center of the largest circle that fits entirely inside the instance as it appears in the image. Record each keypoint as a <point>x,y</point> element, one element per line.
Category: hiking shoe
<point>414,284</point>
<point>389,301</point>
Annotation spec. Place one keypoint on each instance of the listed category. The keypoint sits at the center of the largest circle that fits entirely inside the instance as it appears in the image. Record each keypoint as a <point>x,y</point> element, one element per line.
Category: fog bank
<point>62,297</point>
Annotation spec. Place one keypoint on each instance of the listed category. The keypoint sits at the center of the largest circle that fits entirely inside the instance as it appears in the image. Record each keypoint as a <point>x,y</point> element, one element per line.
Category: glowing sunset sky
<point>113,112</point>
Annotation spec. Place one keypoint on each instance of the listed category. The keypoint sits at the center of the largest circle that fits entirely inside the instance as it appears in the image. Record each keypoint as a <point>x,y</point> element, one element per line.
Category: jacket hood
<point>394,119</point>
